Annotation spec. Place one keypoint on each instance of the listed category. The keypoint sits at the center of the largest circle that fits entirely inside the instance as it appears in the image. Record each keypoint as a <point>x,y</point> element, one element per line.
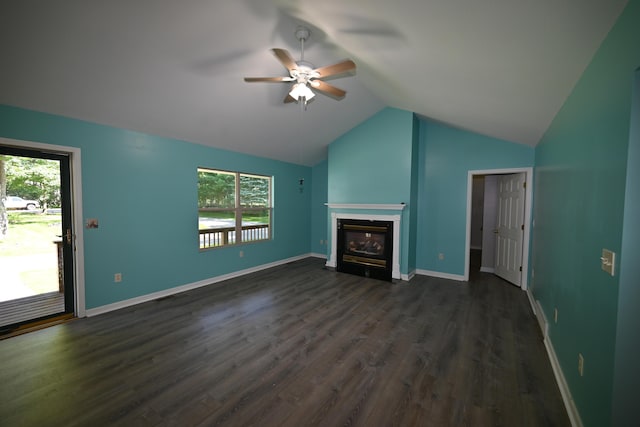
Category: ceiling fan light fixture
<point>301,91</point>
<point>305,76</point>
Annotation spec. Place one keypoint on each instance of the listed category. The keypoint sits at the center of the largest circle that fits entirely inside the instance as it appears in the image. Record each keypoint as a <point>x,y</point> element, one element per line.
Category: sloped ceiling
<point>175,68</point>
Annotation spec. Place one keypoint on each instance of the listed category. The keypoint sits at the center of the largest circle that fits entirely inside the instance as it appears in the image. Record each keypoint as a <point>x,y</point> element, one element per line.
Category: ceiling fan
<point>304,76</point>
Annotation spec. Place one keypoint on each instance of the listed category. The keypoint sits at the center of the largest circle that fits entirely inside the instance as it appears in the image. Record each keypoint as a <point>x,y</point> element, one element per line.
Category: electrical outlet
<point>117,278</point>
<point>241,254</point>
<point>555,315</point>
<point>580,364</point>
<point>440,256</point>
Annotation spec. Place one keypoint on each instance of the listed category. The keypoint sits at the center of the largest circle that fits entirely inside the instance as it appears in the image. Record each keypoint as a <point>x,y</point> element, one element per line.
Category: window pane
<point>216,189</point>
<point>254,191</point>
<point>216,219</point>
<point>233,207</point>
<point>256,224</point>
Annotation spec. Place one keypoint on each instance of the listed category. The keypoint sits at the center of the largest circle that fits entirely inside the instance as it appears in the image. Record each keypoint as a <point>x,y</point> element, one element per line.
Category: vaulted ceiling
<point>502,68</point>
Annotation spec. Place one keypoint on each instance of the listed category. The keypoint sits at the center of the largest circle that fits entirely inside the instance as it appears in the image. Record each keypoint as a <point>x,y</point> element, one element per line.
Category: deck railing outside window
<point>214,237</point>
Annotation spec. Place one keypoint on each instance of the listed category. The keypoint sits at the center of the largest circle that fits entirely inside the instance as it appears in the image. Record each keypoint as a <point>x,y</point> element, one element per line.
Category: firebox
<point>365,248</point>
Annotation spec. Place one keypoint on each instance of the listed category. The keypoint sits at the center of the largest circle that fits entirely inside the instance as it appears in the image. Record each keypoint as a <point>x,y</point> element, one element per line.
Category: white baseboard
<point>569,404</point>
<point>440,275</point>
<point>317,255</point>
<point>537,311</point>
<point>187,287</point>
<point>487,270</point>
<point>408,277</point>
<point>542,318</point>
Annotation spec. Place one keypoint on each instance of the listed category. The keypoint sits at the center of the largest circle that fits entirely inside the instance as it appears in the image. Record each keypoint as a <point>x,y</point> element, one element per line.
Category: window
<point>233,207</point>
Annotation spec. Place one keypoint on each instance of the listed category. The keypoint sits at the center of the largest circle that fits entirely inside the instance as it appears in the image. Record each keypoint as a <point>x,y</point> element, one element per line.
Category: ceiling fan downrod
<point>302,34</point>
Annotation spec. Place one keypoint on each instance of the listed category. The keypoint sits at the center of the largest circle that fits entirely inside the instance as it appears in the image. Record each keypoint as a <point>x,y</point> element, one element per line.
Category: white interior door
<point>510,227</point>
<point>490,214</point>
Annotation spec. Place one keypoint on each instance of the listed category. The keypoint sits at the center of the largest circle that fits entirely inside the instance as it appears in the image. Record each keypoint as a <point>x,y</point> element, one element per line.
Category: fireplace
<point>342,211</point>
<point>365,247</point>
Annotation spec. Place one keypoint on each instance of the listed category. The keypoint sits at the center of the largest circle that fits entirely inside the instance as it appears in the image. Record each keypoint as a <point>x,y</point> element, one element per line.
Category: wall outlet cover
<point>580,364</point>
<point>608,260</point>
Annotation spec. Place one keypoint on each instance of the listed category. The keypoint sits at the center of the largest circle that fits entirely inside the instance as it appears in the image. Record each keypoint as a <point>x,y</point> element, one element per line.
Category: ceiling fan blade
<point>330,90</point>
<point>268,79</point>
<point>340,68</point>
<point>285,58</point>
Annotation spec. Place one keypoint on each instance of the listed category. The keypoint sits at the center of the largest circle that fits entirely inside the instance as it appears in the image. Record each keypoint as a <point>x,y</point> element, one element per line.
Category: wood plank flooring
<point>295,345</point>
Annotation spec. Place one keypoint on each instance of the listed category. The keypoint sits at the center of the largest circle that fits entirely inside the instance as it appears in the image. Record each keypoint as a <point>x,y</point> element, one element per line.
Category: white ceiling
<point>175,68</point>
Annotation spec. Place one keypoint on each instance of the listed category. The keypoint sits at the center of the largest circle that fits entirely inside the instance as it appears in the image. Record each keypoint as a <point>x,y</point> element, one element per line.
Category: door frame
<point>528,171</point>
<point>75,165</point>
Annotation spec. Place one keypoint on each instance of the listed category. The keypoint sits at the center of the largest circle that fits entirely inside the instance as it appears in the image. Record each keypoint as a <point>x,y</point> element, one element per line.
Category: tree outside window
<point>233,208</point>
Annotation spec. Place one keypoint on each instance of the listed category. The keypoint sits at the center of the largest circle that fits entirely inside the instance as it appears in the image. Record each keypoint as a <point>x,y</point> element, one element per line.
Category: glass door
<point>36,237</point>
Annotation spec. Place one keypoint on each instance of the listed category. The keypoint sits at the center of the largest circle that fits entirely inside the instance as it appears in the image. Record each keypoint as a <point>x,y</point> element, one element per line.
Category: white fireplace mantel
<point>364,206</point>
<point>332,262</point>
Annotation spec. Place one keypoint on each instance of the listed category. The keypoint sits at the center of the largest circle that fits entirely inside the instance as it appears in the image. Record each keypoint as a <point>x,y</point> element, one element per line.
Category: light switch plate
<point>608,261</point>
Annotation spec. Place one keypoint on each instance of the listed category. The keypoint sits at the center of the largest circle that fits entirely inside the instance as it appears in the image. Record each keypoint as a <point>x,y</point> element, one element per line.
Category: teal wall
<point>395,157</point>
<point>319,197</point>
<point>579,199</point>
<point>627,369</point>
<point>372,164</point>
<point>446,156</point>
<point>143,190</point>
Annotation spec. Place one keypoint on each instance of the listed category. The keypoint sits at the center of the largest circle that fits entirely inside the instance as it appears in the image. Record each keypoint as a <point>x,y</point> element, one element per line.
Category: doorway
<point>498,223</point>
<point>37,242</point>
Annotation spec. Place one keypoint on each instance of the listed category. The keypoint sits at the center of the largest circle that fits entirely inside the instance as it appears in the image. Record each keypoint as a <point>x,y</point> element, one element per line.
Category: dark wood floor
<point>295,345</point>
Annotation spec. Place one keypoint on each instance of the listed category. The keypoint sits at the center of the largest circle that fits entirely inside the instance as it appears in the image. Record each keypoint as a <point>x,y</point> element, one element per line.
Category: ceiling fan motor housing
<point>302,33</point>
<point>304,72</point>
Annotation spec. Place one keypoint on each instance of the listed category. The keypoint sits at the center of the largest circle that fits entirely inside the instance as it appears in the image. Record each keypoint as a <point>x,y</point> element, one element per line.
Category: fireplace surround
<point>357,212</point>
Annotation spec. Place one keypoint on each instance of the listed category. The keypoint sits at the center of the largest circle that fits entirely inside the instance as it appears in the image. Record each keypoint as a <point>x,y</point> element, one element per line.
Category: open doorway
<point>498,223</point>
<point>37,265</point>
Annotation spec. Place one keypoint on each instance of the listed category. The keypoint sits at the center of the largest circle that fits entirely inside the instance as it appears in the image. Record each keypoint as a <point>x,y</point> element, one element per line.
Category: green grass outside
<point>31,233</point>
<point>41,280</point>
<point>261,217</point>
<point>216,215</point>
